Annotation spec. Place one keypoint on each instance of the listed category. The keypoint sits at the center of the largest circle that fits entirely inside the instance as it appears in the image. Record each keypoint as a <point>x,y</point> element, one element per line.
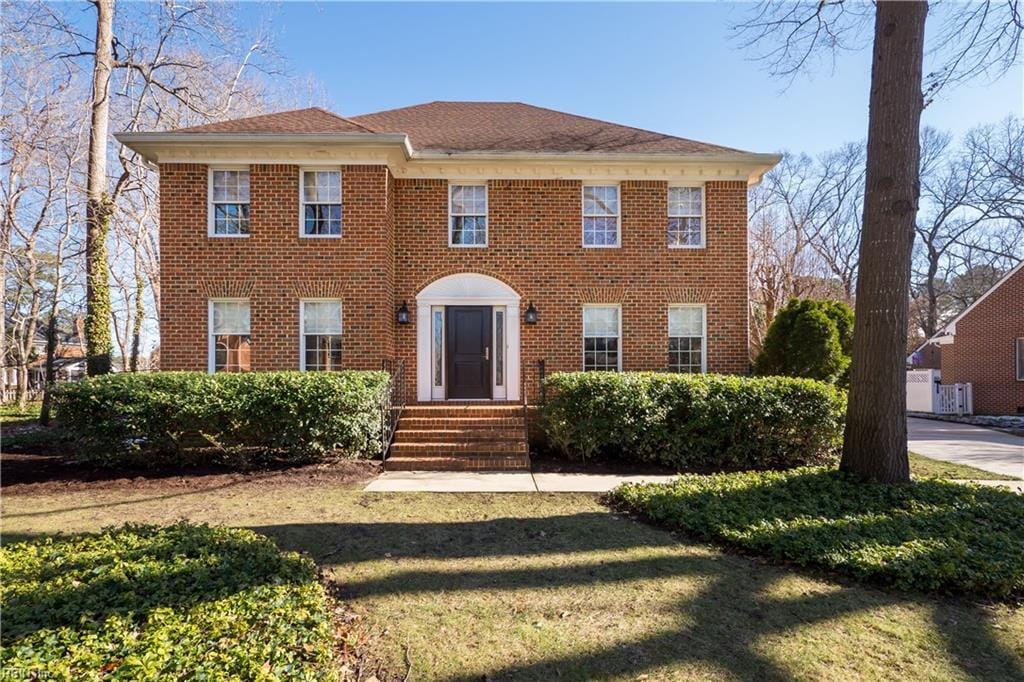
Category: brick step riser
<point>456,449</point>
<point>447,412</point>
<point>446,435</point>
<point>421,424</point>
<point>459,464</point>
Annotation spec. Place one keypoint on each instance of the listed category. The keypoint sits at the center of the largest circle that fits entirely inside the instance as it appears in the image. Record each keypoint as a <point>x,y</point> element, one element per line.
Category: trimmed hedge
<point>150,603</point>
<point>695,420</point>
<point>173,416</point>
<point>929,535</point>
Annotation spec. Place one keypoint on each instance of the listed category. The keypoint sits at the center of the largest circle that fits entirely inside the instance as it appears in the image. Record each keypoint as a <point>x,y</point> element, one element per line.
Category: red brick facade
<point>983,352</point>
<point>395,241</point>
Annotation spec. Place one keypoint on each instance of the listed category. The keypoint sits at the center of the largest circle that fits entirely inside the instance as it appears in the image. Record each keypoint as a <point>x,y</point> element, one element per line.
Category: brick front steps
<point>460,437</point>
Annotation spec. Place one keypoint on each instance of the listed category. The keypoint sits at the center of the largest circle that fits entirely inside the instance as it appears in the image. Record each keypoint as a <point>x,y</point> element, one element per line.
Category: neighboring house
<point>469,239</point>
<point>68,362</point>
<point>984,346</point>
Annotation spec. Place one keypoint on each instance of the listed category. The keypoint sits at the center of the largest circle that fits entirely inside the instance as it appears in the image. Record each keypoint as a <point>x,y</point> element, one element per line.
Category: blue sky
<point>666,67</point>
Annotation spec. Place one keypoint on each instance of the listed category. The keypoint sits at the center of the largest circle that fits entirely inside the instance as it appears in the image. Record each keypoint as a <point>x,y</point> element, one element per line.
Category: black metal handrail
<point>542,373</point>
<point>392,402</point>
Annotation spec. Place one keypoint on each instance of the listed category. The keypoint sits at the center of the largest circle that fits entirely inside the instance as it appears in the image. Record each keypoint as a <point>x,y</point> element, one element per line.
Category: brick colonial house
<point>468,239</point>
<point>984,346</point>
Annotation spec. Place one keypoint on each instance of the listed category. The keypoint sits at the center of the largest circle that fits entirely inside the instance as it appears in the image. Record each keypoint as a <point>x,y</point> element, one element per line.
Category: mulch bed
<point>548,463</point>
<point>45,473</point>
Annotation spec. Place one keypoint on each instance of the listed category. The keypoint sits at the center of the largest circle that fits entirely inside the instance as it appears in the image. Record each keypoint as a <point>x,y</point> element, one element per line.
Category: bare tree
<point>151,63</point>
<point>976,39</point>
<point>971,226</point>
<point>42,151</point>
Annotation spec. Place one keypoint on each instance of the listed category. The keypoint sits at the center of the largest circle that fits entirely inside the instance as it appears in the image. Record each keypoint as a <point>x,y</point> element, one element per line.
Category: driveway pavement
<point>965,444</point>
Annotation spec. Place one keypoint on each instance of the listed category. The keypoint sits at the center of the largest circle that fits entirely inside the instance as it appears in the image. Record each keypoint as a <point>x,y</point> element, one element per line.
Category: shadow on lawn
<point>726,622</point>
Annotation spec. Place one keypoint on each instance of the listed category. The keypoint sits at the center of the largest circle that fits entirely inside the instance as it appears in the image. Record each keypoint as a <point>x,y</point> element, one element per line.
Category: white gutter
<point>138,142</point>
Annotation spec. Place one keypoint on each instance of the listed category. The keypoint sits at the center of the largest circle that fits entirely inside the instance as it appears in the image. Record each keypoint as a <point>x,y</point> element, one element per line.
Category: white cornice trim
<point>395,151</point>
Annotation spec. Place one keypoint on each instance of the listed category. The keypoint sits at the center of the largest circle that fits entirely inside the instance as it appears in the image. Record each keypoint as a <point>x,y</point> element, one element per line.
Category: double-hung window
<point>467,219</point>
<point>601,335</point>
<point>321,335</point>
<point>1020,359</point>
<point>320,192</point>
<point>601,215</point>
<point>686,217</point>
<point>686,338</point>
<point>229,202</point>
<point>229,336</point>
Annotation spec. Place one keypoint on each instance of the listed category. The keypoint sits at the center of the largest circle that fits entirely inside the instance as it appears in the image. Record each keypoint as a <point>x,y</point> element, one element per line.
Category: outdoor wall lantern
<point>403,314</point>
<point>531,314</point>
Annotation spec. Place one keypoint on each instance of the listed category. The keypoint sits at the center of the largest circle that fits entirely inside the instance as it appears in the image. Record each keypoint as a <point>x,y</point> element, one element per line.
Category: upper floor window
<point>601,215</point>
<point>686,338</point>
<point>230,343</point>
<point>601,338</point>
<point>467,220</point>
<point>321,335</point>
<point>320,191</point>
<point>686,217</point>
<point>229,203</point>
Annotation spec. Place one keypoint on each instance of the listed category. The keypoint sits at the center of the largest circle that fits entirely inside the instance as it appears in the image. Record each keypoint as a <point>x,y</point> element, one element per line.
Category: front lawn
<point>150,603</point>
<point>929,535</point>
<point>547,586</point>
<point>11,414</point>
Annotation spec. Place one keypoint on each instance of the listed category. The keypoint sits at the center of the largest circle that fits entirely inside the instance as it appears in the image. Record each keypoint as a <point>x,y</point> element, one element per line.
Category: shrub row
<point>147,418</point>
<point>149,603</point>
<point>694,420</point>
<point>930,535</point>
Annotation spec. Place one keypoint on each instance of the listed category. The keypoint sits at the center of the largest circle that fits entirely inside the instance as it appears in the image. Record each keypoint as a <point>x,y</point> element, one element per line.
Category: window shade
<point>231,317</point>
<point>321,317</point>
<point>685,322</point>
<point>600,322</point>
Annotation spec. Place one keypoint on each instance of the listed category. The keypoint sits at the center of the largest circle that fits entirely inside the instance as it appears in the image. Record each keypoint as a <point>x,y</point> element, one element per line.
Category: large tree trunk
<point>51,375</point>
<point>98,205</point>
<point>875,443</point>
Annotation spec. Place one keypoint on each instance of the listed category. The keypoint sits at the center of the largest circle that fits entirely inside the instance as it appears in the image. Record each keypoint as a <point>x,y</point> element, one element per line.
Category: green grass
<point>929,535</point>
<point>149,603</point>
<point>546,586</point>
<point>926,467</point>
<point>11,414</point>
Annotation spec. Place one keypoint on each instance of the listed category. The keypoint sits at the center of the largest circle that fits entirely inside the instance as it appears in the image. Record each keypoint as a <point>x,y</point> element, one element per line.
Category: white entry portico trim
<point>466,289</point>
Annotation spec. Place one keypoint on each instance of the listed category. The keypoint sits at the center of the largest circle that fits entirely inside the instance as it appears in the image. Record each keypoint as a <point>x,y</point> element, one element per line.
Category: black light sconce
<point>530,317</point>
<point>403,314</point>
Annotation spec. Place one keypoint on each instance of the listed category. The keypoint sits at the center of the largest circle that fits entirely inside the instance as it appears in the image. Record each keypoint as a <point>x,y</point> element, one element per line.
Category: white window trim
<point>618,216</point>
<point>583,331</point>
<point>302,201</point>
<point>703,217</point>
<point>209,202</point>
<point>1019,345</point>
<point>703,330</point>
<point>302,326</point>
<point>211,345</point>
<point>487,214</point>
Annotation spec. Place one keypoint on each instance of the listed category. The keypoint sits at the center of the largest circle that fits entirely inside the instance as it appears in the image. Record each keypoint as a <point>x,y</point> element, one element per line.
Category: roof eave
<point>756,163</point>
<point>148,144</point>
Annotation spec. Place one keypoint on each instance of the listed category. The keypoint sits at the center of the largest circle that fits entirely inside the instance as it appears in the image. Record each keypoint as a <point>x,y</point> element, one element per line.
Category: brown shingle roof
<point>475,127</point>
<point>517,127</point>
<point>312,120</point>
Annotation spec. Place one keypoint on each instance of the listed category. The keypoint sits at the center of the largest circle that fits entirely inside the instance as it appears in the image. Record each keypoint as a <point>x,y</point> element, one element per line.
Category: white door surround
<point>465,289</point>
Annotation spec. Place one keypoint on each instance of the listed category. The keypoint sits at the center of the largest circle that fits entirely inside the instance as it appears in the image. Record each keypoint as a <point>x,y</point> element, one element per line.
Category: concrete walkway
<point>965,444</point>
<point>501,482</point>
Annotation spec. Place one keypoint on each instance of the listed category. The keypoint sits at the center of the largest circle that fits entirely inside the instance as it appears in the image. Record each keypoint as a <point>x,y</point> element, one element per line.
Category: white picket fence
<point>955,399</point>
<point>925,393</point>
